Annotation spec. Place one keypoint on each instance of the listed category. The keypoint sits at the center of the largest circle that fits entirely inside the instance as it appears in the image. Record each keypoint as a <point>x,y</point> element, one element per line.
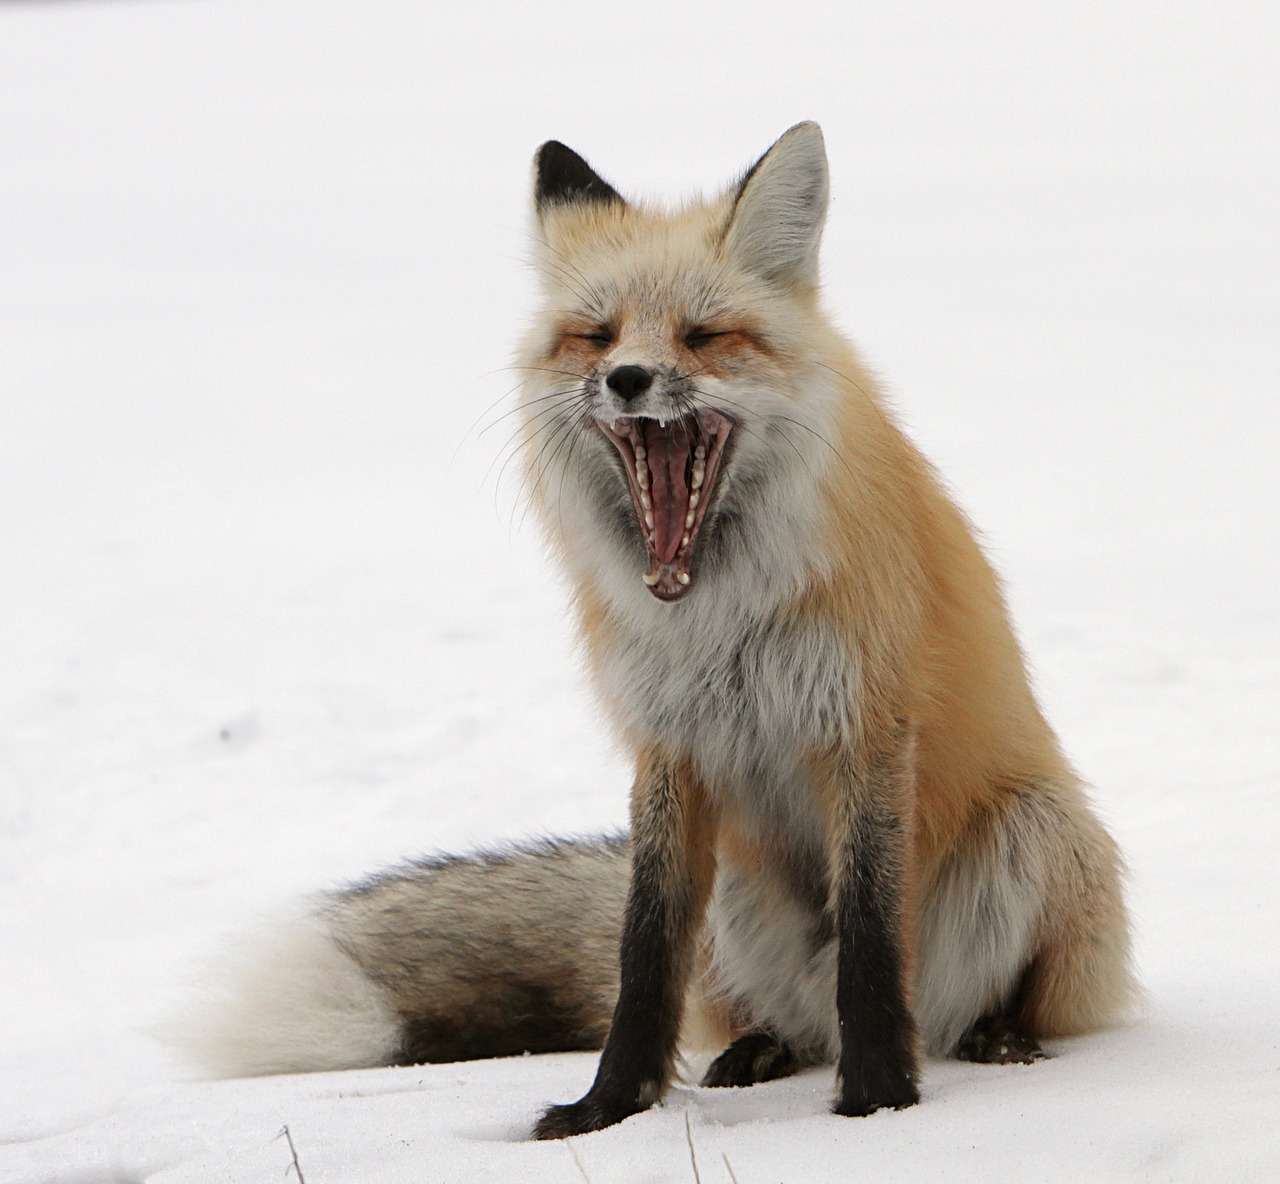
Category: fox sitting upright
<point>854,836</point>
<point>848,811</point>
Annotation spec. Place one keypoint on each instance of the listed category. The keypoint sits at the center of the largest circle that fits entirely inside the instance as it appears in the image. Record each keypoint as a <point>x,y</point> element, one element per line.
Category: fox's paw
<point>858,1099</point>
<point>751,1059</point>
<point>995,1040</point>
<point>578,1118</point>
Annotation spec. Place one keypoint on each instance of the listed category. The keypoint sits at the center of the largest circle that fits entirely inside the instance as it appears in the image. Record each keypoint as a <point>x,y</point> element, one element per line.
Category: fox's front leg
<point>871,807</point>
<point>673,864</point>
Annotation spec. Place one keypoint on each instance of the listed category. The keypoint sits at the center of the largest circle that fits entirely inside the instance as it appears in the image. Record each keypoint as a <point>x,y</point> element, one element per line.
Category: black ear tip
<point>563,176</point>
<point>553,151</point>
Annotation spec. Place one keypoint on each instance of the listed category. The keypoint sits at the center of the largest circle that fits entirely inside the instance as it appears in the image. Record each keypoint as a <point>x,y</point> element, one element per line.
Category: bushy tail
<point>287,999</point>
<point>441,959</point>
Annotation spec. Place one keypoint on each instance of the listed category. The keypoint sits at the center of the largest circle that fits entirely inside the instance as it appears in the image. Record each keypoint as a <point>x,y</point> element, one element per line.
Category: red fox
<point>842,775</point>
<point>852,829</point>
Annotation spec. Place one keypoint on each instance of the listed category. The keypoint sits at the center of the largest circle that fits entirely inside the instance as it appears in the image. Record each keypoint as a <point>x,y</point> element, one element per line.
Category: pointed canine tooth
<point>688,520</point>
<point>650,578</point>
<point>694,498</point>
<point>683,577</point>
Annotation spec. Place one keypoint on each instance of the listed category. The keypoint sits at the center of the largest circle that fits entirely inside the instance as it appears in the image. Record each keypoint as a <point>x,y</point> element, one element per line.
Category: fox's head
<point>675,410</point>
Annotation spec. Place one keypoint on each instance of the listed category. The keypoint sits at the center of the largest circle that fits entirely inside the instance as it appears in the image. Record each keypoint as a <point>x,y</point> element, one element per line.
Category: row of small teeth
<point>699,474</point>
<point>646,502</point>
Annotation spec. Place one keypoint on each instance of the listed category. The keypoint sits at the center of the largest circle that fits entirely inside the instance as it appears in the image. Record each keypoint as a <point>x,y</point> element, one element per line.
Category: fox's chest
<point>745,699</point>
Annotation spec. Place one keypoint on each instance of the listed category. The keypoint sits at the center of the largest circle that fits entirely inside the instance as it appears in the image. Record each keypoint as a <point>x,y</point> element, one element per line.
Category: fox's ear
<point>562,177</point>
<point>776,221</point>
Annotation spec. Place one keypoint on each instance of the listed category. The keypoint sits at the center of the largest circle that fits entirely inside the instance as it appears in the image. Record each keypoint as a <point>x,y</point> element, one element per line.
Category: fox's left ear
<point>776,222</point>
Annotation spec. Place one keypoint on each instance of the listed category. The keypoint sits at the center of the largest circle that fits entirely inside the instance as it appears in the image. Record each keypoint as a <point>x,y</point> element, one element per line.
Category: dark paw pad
<point>994,1040</point>
<point>749,1060</point>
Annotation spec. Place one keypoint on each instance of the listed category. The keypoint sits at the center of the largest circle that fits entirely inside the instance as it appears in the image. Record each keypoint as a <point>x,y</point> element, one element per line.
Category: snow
<point>271,617</point>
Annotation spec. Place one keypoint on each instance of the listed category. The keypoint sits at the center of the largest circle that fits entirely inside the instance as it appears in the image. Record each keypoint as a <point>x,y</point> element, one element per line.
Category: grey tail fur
<point>440,959</point>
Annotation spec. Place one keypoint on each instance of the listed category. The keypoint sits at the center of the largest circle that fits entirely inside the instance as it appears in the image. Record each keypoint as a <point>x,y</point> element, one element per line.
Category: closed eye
<point>598,337</point>
<point>697,338</point>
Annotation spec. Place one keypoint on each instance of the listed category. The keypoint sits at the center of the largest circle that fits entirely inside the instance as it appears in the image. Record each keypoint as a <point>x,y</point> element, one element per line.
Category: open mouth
<point>671,470</point>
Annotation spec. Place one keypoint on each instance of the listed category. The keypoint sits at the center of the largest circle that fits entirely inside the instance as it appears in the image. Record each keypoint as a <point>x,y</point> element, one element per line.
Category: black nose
<point>629,381</point>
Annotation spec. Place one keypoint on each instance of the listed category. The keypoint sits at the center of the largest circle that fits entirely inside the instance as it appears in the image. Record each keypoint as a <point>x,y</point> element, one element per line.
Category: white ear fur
<point>776,222</point>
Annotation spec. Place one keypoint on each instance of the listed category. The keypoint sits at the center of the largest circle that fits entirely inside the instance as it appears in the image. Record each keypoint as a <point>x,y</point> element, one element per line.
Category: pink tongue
<point>668,454</point>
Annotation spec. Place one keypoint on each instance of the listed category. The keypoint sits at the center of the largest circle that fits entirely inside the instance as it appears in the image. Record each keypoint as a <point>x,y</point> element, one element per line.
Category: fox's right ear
<point>561,177</point>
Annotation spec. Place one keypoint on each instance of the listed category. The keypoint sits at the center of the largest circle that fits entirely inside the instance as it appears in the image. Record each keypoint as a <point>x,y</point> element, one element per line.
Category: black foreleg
<point>671,873</point>
<point>877,1032</point>
<point>871,802</point>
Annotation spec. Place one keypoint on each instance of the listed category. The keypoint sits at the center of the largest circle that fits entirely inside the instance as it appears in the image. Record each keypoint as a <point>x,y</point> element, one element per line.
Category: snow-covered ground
<point>270,618</point>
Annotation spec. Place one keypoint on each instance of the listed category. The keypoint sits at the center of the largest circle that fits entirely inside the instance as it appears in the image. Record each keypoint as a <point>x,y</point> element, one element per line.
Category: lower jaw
<point>668,581</point>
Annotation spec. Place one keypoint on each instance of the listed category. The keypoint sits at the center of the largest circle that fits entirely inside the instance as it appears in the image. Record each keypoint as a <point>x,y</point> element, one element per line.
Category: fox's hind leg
<point>1080,977</point>
<point>1023,927</point>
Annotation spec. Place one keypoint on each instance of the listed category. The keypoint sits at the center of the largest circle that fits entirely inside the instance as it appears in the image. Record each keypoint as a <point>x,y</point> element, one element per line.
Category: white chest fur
<point>745,697</point>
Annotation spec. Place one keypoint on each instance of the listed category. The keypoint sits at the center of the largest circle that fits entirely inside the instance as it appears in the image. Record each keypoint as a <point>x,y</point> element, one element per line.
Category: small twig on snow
<point>693,1159</point>
<point>577,1162</point>
<point>728,1167</point>
<point>297,1167</point>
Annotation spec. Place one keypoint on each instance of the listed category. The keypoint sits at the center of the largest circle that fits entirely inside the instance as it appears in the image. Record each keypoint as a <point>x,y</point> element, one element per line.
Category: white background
<point>269,618</point>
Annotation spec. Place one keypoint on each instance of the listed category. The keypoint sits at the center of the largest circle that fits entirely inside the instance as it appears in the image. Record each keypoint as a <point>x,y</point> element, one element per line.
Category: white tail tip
<point>286,999</point>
